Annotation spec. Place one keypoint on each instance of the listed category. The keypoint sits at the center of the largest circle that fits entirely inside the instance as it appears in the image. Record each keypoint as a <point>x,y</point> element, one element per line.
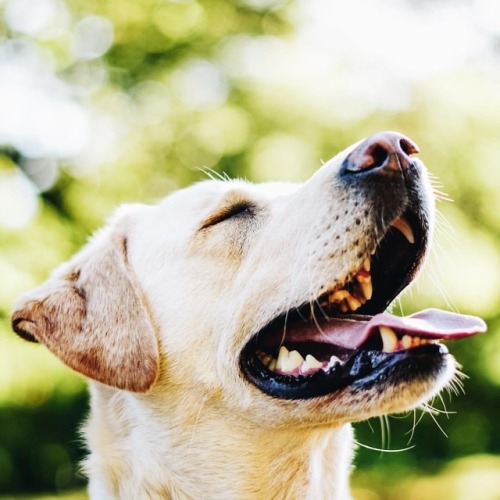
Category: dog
<point>232,332</point>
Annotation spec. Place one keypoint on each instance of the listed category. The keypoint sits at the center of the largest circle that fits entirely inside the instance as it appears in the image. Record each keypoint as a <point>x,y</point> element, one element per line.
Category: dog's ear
<point>91,314</point>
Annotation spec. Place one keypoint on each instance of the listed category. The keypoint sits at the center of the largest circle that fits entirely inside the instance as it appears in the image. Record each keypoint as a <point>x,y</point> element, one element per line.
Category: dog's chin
<point>322,349</point>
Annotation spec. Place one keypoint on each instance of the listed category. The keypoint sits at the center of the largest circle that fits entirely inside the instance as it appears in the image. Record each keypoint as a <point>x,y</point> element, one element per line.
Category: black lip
<point>362,370</point>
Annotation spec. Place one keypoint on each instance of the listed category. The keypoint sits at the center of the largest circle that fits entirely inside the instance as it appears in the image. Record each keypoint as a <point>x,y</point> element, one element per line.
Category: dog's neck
<point>236,461</point>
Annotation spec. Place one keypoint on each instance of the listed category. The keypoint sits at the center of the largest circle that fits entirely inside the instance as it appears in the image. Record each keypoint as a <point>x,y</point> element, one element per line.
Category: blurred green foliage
<point>165,102</point>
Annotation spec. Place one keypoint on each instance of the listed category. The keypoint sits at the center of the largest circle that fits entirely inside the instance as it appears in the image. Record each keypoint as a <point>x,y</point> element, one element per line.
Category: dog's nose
<point>386,150</point>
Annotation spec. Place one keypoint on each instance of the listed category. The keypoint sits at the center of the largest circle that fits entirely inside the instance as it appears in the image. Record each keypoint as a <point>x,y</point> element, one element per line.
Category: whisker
<point>213,174</point>
<point>204,400</point>
<point>437,424</point>
<point>413,427</point>
<point>373,448</point>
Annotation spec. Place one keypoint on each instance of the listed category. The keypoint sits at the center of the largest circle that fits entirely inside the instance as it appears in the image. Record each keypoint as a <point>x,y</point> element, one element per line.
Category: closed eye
<point>242,209</point>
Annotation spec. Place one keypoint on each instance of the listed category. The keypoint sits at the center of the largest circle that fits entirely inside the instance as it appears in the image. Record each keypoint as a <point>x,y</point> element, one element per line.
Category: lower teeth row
<point>391,342</point>
<point>292,362</point>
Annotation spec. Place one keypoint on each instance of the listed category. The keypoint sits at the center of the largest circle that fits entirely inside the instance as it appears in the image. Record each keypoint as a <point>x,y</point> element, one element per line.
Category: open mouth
<point>343,338</point>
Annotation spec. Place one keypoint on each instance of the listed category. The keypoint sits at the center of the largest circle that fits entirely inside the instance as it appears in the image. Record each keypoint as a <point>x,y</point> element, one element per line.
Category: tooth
<point>363,276</point>
<point>333,361</point>
<point>359,295</point>
<point>406,341</point>
<point>312,362</point>
<point>339,296</point>
<point>367,289</point>
<point>401,224</point>
<point>367,265</point>
<point>294,361</point>
<point>266,359</point>
<point>353,303</point>
<point>282,358</point>
<point>345,300</point>
<point>389,339</point>
<point>272,365</point>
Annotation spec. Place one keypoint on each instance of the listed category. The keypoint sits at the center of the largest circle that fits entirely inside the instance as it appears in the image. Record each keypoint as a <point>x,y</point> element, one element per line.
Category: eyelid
<point>231,210</point>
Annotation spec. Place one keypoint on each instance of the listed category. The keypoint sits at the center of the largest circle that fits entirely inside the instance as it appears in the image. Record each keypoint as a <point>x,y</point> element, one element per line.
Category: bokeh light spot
<point>200,85</point>
<point>31,17</point>
<point>18,201</point>
<point>178,20</point>
<point>92,37</point>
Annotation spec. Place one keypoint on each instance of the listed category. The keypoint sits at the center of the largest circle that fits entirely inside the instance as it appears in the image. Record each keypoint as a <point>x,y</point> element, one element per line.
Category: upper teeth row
<point>351,301</point>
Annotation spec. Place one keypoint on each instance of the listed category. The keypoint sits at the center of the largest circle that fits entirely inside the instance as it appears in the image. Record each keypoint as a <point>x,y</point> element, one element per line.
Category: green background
<point>183,86</point>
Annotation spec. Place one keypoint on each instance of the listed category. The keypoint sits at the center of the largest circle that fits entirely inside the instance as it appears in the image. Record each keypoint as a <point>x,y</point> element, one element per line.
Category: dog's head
<point>244,295</point>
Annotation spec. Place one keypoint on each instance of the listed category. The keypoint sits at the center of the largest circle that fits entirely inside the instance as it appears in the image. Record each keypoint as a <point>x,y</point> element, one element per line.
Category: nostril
<point>408,147</point>
<point>376,156</point>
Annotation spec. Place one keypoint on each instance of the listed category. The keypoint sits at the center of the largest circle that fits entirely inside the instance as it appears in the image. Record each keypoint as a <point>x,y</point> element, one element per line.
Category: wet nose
<point>385,150</point>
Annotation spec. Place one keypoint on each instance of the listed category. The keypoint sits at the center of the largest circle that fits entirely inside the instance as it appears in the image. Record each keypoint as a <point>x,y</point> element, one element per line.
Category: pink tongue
<point>351,332</point>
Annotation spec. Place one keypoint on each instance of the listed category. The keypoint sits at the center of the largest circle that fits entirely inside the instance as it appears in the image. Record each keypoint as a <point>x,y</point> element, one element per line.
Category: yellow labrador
<point>218,329</point>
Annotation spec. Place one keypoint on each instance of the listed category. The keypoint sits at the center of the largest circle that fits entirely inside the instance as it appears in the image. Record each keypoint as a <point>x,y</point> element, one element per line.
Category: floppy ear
<point>91,315</point>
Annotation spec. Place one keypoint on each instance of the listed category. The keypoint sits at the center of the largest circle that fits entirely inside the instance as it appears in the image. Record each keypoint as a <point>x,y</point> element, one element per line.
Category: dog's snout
<point>386,150</point>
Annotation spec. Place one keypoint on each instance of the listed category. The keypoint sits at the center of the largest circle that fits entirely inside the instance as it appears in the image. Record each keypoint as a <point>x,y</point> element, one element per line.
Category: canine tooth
<point>367,265</point>
<point>282,358</point>
<point>294,361</point>
<point>389,339</point>
<point>406,341</point>
<point>272,365</point>
<point>402,225</point>
<point>367,289</point>
<point>312,362</point>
